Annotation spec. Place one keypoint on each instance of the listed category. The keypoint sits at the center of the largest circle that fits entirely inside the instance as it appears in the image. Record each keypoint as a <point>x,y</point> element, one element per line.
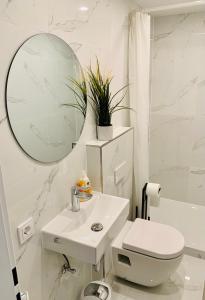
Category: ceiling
<point>156,3</point>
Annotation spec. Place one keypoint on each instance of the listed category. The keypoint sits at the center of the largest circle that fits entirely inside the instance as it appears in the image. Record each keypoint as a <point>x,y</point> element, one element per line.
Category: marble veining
<point>56,285</point>
<point>67,26</point>
<point>177,145</point>
<point>198,172</point>
<point>164,35</point>
<point>15,100</point>
<point>34,78</point>
<point>45,140</point>
<point>31,51</point>
<point>172,169</point>
<point>71,25</point>
<point>199,144</point>
<point>49,88</point>
<point>181,94</point>
<point>46,189</point>
<point>174,120</point>
<point>21,254</point>
<point>3,120</point>
<point>76,46</point>
<point>8,2</point>
<point>184,91</point>
<point>6,17</point>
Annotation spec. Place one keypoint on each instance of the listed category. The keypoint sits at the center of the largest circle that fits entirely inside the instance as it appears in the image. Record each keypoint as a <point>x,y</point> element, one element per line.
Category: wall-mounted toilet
<point>147,252</point>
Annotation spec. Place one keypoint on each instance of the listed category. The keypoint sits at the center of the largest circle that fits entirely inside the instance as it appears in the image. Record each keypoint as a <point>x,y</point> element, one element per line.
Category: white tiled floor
<point>186,284</point>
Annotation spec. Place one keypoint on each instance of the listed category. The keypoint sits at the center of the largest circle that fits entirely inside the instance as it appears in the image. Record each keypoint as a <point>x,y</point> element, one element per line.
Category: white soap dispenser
<point>84,187</point>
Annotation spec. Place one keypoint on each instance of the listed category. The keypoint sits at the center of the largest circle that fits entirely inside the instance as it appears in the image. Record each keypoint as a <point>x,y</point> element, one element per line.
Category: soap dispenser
<point>84,187</point>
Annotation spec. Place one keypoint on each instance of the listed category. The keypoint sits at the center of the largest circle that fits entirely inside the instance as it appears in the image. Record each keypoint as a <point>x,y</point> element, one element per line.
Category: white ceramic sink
<point>70,232</point>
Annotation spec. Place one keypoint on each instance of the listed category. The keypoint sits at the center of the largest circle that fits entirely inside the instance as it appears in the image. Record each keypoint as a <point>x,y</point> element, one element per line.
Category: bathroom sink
<point>70,232</point>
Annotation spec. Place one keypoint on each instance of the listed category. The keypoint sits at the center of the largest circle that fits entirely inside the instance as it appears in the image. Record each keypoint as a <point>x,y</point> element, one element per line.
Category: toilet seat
<point>154,239</point>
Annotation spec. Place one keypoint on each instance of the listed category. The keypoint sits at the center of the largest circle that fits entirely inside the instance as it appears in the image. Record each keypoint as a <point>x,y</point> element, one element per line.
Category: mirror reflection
<point>41,98</point>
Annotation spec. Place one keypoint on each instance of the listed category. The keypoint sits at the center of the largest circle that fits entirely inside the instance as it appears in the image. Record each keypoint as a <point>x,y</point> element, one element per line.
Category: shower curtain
<point>139,92</point>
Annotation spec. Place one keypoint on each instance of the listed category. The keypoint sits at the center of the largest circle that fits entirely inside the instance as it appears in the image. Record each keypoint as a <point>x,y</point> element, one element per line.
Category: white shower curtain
<point>139,92</point>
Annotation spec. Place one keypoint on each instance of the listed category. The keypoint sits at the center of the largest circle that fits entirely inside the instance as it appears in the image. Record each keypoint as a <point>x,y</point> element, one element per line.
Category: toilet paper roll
<point>153,193</point>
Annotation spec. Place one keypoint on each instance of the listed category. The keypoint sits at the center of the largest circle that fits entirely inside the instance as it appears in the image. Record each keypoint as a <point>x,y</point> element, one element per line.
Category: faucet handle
<point>74,190</point>
<point>75,200</point>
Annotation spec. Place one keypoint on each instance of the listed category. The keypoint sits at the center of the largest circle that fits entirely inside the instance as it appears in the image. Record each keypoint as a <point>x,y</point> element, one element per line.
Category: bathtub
<point>187,218</point>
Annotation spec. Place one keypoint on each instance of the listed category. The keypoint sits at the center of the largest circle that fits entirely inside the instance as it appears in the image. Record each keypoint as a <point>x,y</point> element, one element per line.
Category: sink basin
<point>70,232</point>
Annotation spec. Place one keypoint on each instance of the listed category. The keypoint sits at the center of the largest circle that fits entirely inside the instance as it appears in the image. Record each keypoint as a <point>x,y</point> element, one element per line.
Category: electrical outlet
<point>25,230</point>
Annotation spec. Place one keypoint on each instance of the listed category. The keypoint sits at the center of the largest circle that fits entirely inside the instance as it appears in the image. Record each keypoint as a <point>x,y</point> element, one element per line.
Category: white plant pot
<point>105,133</point>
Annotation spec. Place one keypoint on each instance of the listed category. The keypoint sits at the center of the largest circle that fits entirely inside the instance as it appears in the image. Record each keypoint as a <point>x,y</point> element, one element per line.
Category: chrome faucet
<point>76,195</point>
<point>75,199</point>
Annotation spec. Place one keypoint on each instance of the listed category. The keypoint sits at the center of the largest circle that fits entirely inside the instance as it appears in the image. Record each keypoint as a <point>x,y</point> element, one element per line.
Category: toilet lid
<point>154,239</point>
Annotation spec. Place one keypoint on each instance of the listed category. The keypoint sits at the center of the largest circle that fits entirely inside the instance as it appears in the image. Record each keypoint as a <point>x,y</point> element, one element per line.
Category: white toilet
<point>147,252</point>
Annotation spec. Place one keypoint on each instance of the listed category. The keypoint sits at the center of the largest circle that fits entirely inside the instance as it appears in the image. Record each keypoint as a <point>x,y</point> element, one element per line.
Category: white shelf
<point>117,131</point>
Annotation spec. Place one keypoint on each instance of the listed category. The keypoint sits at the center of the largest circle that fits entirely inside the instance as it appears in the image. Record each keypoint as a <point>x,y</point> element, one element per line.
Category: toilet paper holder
<point>148,190</point>
<point>144,203</point>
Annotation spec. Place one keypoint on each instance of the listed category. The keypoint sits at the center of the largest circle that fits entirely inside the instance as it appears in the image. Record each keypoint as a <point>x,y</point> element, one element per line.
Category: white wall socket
<point>25,230</point>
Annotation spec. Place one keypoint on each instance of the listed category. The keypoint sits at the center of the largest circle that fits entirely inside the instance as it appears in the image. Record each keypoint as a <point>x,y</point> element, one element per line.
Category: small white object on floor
<point>102,293</point>
<point>24,296</point>
<point>97,290</point>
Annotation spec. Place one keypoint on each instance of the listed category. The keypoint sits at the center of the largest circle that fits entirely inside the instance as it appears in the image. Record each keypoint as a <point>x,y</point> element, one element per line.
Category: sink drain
<point>97,227</point>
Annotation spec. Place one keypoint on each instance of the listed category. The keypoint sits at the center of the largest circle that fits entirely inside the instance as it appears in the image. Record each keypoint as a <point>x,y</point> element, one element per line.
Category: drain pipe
<point>66,267</point>
<point>97,267</point>
<point>149,191</point>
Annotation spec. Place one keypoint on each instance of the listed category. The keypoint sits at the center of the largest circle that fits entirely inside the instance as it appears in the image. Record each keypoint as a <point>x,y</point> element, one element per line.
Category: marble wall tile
<point>177,106</point>
<point>42,191</point>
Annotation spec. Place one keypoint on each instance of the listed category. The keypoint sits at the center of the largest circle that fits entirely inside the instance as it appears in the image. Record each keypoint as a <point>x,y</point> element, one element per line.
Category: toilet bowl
<point>147,252</point>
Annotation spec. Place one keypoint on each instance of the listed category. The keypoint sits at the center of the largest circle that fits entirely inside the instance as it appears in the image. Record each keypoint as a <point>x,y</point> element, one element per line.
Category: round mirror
<point>45,103</point>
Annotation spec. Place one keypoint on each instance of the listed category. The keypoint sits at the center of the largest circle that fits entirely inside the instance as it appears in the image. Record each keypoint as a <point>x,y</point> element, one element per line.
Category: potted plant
<point>103,102</point>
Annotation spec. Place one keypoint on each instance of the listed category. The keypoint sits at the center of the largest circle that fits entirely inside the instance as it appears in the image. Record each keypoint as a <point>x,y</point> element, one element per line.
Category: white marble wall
<point>37,190</point>
<point>177,136</point>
